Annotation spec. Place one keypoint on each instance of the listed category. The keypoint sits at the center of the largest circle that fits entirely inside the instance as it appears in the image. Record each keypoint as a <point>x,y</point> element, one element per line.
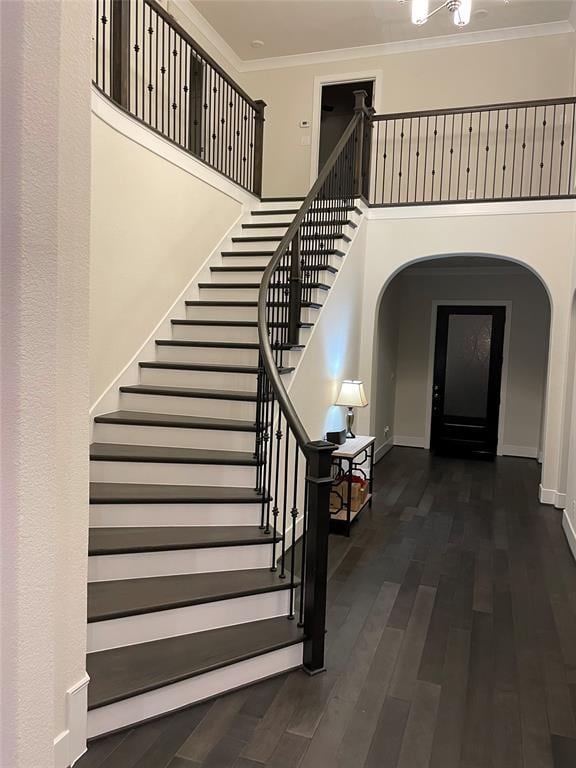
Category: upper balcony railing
<point>150,66</point>
<point>497,152</point>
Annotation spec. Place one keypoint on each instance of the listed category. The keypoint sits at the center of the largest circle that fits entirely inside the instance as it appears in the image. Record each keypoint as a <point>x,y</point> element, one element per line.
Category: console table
<point>354,457</point>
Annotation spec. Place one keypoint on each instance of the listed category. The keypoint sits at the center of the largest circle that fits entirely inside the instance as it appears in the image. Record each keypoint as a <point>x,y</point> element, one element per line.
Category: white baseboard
<point>383,449</point>
<point>555,498</point>
<point>410,442</point>
<point>570,532</point>
<point>70,745</point>
<point>521,451</point>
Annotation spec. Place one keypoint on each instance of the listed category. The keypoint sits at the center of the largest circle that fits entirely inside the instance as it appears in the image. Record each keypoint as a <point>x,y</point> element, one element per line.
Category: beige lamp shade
<point>352,395</point>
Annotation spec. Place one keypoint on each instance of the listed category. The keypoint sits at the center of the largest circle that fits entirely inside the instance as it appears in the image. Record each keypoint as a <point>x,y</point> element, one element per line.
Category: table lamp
<point>352,396</point>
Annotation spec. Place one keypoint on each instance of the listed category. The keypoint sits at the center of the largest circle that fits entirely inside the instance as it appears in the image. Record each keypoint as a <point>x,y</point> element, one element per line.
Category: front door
<point>467,378</point>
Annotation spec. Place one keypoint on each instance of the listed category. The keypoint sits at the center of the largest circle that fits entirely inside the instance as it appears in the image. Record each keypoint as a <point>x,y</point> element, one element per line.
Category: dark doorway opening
<point>337,111</point>
<point>467,378</point>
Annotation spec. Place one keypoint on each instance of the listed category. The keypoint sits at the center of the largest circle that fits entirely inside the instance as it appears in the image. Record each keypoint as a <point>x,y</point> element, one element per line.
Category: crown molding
<point>409,46</point>
<point>369,51</point>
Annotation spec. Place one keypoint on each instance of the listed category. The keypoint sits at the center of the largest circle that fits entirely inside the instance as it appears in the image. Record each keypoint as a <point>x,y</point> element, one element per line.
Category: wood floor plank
<point>448,735</point>
<point>419,733</point>
<point>208,732</point>
<point>404,678</point>
<point>389,733</point>
<point>356,741</point>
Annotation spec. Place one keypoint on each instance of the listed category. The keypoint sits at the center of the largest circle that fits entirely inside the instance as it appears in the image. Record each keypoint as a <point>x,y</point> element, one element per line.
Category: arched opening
<point>406,349</point>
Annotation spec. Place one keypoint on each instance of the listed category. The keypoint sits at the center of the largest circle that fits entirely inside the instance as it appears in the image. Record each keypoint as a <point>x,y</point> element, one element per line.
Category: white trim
<point>550,496</point>
<point>497,208</point>
<point>443,271</point>
<point>70,744</point>
<point>383,449</point>
<point>141,134</point>
<point>520,451</point>
<point>375,75</point>
<point>410,442</point>
<point>505,360</point>
<point>192,691</point>
<point>570,533</point>
<point>407,46</point>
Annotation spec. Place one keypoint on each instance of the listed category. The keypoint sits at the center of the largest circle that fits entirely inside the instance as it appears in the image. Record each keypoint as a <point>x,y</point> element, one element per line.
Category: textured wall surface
<point>44,364</point>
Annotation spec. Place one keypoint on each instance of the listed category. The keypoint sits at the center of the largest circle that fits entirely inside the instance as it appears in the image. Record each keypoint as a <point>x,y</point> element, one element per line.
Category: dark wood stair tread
<point>207,394</point>
<point>224,303</point>
<point>320,222</point>
<point>261,268</point>
<point>248,369</point>
<point>130,597</point>
<point>149,493</point>
<point>174,420</point>
<point>218,344</point>
<point>120,673</point>
<point>163,454</point>
<point>303,252</point>
<point>232,323</point>
<point>253,286</point>
<point>122,541</point>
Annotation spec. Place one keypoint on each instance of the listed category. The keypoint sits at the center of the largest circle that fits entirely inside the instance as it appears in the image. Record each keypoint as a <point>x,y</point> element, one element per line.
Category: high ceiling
<point>288,27</point>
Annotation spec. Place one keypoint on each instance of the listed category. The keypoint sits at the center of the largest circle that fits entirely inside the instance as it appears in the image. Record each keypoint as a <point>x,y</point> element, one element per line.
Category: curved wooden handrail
<point>266,352</point>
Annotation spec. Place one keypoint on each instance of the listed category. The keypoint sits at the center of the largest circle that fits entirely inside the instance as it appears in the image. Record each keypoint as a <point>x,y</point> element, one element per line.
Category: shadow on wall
<point>404,347</point>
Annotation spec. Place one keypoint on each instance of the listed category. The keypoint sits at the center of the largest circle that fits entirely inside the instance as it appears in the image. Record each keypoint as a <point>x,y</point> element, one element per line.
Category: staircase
<point>184,600</point>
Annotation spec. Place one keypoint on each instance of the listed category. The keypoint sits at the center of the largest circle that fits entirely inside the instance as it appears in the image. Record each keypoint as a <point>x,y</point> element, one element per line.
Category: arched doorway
<point>407,334</point>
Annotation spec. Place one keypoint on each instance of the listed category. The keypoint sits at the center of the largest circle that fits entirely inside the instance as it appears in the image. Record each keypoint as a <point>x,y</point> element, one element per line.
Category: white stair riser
<point>172,474</point>
<point>250,294</point>
<point>333,259</point>
<point>210,439</point>
<point>189,406</point>
<point>254,245</point>
<point>267,231</point>
<point>141,565</point>
<point>271,231</point>
<point>241,333</point>
<point>237,313</point>
<point>216,355</point>
<point>178,695</point>
<point>248,335</point>
<point>285,218</point>
<point>250,277</point>
<point>199,312</point>
<point>141,515</point>
<point>274,205</point>
<point>146,627</point>
<point>167,377</point>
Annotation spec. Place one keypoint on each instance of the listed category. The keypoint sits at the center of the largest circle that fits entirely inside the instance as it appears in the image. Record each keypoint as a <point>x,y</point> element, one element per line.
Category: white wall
<point>524,378</point>
<point>514,70</point>
<point>154,223</point>
<point>540,236</point>
<point>332,352</point>
<point>45,104</point>
<point>383,424</point>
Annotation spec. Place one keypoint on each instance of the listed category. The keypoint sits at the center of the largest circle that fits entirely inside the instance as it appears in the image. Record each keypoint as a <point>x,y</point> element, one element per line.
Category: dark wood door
<point>467,379</point>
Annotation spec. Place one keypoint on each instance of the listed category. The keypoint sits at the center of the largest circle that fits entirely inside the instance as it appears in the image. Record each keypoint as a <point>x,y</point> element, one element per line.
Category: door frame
<point>336,79</point>
<point>507,304</point>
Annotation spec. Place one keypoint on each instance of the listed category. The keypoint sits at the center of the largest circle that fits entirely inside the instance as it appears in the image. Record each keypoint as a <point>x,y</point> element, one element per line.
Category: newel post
<point>120,52</point>
<point>360,97</point>
<point>316,566</point>
<point>258,147</point>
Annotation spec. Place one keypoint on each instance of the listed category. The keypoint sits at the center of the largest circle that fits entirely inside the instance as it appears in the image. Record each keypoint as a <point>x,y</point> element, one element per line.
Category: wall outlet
<point>304,123</point>
<point>386,431</point>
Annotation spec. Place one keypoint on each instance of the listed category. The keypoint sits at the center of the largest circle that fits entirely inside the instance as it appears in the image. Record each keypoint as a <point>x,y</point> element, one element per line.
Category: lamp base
<point>350,423</point>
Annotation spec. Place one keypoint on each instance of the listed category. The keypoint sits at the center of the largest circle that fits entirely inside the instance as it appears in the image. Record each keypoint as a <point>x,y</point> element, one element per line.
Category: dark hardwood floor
<point>452,642</point>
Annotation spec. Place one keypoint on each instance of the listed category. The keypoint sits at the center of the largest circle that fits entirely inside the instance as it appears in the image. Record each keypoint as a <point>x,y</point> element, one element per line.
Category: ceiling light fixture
<point>461,11</point>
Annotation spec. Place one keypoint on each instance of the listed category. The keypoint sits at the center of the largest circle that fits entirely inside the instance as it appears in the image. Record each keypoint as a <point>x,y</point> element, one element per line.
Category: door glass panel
<point>467,365</point>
